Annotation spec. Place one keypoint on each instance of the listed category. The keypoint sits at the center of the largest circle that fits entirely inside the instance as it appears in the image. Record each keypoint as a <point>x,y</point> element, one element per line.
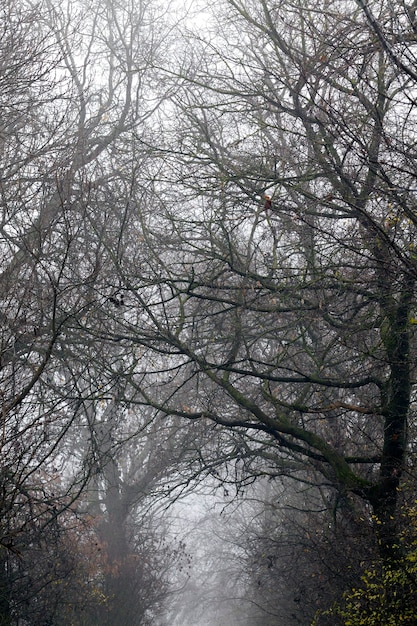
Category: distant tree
<point>301,551</point>
<point>136,464</point>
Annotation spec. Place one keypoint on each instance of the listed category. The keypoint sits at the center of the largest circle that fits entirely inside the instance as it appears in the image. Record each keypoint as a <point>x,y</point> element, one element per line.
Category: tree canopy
<point>209,259</point>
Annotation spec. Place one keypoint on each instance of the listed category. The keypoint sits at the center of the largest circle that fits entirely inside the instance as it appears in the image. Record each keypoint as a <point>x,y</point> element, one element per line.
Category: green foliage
<point>387,595</point>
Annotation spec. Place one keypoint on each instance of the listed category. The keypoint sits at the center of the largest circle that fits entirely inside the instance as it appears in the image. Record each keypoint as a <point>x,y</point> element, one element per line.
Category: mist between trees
<point>208,310</point>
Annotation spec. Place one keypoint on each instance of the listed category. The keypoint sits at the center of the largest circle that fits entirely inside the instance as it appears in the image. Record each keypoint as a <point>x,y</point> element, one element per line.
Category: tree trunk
<point>384,495</point>
<point>5,616</point>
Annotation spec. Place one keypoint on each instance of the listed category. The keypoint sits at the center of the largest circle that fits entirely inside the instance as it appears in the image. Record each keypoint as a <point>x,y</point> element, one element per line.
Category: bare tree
<point>239,255</point>
<point>76,91</point>
<point>277,286</point>
<point>138,463</point>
